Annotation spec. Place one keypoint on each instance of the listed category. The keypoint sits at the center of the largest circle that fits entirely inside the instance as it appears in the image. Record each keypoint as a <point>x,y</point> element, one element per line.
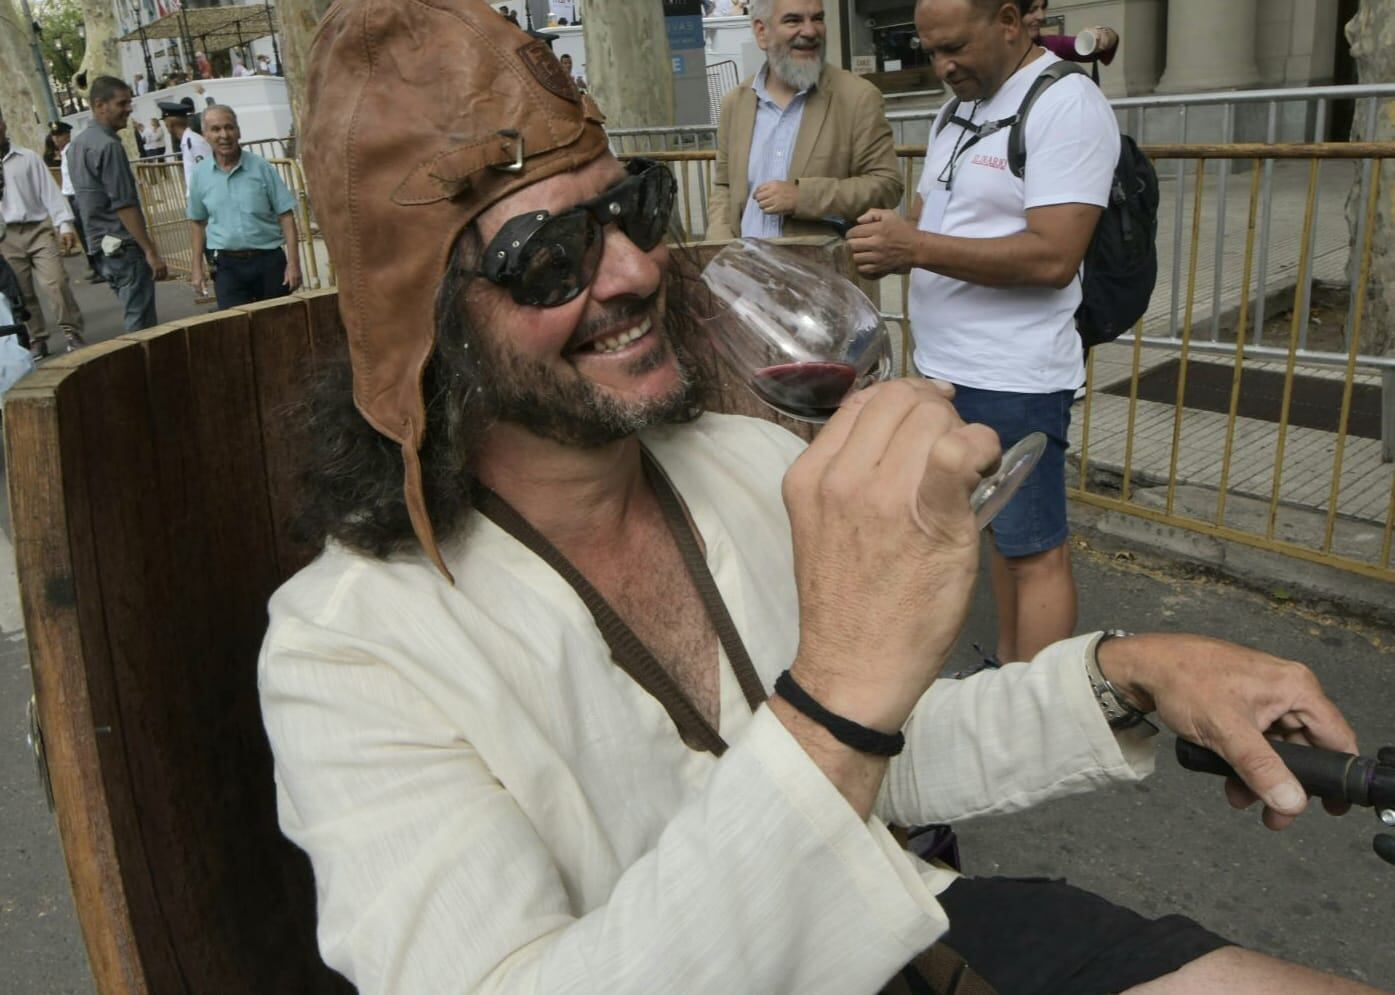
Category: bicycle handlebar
<point>1342,777</point>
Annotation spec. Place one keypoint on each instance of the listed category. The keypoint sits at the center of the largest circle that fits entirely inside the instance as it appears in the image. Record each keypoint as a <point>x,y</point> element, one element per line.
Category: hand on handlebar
<point>1327,774</point>
<point>1228,698</point>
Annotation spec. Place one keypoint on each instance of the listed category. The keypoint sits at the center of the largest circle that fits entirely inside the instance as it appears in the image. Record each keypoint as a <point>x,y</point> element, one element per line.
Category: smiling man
<point>530,709</point>
<point>803,147</point>
<point>242,212</point>
<point>110,205</point>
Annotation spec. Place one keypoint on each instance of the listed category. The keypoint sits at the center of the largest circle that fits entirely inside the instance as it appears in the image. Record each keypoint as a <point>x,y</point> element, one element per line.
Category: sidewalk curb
<point>1261,570</point>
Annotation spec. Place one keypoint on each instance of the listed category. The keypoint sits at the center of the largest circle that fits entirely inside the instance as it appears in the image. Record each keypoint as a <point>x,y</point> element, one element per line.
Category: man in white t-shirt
<point>994,260</point>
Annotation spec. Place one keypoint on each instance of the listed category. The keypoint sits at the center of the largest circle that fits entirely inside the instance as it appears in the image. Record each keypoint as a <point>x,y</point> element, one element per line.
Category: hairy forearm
<point>134,222</point>
<point>1026,259</point>
<point>857,776</point>
<point>197,233</point>
<point>289,233</point>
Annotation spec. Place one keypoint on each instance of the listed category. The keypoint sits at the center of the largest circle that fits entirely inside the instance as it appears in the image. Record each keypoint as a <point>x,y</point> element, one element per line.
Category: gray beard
<point>797,73</point>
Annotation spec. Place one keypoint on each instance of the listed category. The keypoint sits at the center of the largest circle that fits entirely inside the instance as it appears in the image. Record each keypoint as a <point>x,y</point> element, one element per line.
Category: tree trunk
<point>297,20</point>
<point>1372,36</point>
<point>103,55</point>
<point>628,68</point>
<point>21,99</point>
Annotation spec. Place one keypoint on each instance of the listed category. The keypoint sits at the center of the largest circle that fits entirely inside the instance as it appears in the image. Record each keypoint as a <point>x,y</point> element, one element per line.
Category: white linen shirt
<point>30,193</point>
<point>1019,339</point>
<point>490,804</point>
<point>66,188</point>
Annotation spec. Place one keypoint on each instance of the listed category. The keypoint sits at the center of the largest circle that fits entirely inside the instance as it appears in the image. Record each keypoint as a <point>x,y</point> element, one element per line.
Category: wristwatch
<point>1118,711</point>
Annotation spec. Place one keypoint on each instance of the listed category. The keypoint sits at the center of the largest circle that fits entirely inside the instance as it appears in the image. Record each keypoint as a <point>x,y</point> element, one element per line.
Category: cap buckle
<point>517,165</point>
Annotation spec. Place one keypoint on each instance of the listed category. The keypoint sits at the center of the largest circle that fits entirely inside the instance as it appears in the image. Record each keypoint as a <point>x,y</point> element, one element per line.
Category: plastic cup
<point>1086,42</point>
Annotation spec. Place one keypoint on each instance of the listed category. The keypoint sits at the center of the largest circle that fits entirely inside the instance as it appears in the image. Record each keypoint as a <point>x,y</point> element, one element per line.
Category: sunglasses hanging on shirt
<point>978,132</point>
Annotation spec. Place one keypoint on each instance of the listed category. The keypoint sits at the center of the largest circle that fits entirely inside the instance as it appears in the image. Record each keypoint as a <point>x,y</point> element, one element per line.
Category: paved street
<point>101,310</point>
<point>1315,893</point>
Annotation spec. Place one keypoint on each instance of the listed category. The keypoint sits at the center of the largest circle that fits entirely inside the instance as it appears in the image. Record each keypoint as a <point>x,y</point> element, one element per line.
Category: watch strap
<point>1118,711</point>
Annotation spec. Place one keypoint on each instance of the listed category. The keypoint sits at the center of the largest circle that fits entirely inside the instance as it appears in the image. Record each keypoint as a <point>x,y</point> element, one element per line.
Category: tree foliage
<point>62,37</point>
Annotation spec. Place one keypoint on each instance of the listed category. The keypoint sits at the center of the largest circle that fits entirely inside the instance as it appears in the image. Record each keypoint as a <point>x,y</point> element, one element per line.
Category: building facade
<point>1167,46</point>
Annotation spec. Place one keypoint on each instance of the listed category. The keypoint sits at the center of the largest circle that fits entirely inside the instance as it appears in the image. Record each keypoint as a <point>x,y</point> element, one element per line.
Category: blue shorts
<point>1035,519</point>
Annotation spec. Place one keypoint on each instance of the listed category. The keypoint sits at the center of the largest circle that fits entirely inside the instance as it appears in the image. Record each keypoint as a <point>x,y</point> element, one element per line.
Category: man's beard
<point>798,72</point>
<point>559,403</point>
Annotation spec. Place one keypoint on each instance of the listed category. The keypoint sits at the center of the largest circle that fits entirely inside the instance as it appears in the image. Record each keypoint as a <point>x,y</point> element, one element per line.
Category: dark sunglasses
<point>546,260</point>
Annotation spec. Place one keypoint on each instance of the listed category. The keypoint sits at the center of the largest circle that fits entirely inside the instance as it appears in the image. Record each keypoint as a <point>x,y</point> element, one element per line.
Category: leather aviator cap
<point>421,114</point>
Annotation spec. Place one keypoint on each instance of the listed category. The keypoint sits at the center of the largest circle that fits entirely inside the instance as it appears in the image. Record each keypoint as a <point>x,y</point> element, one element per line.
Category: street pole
<point>38,53</point>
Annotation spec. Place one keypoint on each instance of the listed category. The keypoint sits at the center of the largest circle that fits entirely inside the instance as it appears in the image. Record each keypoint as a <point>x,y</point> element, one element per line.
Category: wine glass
<point>802,336</point>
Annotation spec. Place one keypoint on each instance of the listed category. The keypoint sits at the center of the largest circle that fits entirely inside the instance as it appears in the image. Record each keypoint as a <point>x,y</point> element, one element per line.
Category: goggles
<point>546,260</point>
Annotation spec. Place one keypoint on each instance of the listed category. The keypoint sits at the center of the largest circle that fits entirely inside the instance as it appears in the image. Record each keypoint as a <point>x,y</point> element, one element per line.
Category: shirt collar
<point>758,84</point>
<point>241,158</point>
<point>7,150</point>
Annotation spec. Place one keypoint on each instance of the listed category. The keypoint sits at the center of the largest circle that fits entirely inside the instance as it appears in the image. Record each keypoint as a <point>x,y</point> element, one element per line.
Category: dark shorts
<point>1035,519</point>
<point>1035,936</point>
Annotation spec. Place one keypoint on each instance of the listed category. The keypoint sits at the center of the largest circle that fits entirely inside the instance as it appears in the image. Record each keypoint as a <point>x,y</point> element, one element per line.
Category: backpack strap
<point>1017,138</point>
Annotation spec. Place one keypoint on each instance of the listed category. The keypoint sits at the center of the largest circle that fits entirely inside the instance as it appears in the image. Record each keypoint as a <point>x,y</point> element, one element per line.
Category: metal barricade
<point>1323,494</point>
<point>1297,114</point>
<point>164,202</point>
<point>1313,487</point>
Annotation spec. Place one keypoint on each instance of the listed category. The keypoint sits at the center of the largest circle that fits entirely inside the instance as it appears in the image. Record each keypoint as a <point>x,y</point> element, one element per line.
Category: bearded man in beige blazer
<point>803,148</point>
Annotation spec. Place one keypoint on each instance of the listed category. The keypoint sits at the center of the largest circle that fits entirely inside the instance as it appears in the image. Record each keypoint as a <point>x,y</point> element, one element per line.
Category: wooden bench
<point>151,483</point>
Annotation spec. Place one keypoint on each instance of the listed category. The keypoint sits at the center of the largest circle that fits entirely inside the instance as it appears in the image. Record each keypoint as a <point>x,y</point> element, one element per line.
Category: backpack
<point>1121,262</point>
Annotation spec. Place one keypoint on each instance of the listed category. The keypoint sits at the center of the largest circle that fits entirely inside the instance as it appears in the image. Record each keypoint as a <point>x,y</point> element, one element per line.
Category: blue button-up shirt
<point>241,205</point>
<point>772,146</point>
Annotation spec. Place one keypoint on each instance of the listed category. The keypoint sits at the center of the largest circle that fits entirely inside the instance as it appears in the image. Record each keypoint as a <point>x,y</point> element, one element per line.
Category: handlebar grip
<point>1384,845</point>
<point>1342,777</point>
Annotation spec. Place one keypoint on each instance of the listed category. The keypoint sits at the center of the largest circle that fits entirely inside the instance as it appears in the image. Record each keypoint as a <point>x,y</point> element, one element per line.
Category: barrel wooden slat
<point>259,901</point>
<point>150,519</point>
<point>55,558</point>
<point>282,357</point>
<point>107,473</point>
<point>326,327</point>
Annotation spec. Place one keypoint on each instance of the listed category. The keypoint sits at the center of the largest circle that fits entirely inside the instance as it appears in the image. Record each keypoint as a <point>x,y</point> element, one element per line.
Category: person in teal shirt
<point>241,210</point>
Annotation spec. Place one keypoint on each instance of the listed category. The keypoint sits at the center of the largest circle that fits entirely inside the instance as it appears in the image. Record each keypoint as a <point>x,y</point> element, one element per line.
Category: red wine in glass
<point>805,390</point>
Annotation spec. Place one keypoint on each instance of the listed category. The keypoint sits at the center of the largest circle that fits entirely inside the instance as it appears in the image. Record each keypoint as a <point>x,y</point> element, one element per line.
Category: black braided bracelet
<point>846,731</point>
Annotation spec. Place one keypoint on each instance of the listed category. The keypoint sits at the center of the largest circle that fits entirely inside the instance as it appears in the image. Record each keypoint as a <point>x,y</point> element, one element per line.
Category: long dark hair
<point>351,484</point>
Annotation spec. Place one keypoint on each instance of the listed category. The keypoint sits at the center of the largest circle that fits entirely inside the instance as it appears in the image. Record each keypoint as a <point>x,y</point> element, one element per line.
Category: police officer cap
<point>60,127</point>
<point>177,108</point>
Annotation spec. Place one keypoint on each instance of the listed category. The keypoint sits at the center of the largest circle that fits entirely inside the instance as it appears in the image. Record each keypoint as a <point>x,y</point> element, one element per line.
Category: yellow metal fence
<point>1319,495</point>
